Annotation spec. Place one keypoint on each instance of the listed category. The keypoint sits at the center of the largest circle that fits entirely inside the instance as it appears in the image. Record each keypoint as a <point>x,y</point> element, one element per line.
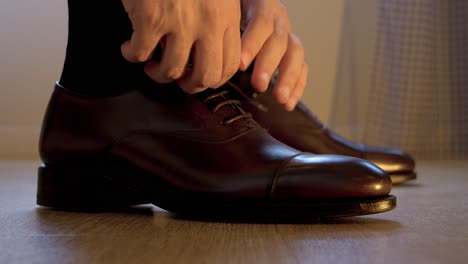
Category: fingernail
<point>245,61</point>
<point>264,81</point>
<point>284,94</point>
<point>290,105</point>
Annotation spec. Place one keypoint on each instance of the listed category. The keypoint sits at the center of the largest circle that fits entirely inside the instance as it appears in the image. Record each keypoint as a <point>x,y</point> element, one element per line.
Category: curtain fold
<point>417,94</point>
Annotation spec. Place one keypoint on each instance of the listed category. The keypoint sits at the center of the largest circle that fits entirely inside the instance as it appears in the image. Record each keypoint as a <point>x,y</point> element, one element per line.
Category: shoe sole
<point>93,190</point>
<point>403,177</point>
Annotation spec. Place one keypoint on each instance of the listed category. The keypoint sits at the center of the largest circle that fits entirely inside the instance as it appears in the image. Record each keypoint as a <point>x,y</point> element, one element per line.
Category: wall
<point>349,106</point>
<point>33,45</point>
<point>319,24</point>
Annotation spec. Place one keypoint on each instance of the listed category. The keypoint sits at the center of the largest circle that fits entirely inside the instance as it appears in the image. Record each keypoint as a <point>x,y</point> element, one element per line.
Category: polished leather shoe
<point>191,155</point>
<point>300,129</point>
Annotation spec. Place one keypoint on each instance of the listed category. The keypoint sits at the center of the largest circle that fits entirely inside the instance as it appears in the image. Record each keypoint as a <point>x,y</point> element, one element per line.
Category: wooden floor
<point>429,225</point>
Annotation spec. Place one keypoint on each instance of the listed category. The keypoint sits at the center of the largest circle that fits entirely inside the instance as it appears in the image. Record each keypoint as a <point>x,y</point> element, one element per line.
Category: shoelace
<point>250,98</point>
<point>225,101</point>
<point>251,95</point>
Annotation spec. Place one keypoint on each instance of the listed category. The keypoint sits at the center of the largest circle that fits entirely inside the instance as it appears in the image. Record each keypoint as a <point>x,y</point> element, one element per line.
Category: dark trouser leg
<point>93,63</point>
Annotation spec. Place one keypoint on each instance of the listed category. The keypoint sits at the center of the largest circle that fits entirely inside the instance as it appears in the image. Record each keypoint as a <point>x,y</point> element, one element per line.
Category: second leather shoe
<point>300,129</point>
<point>193,155</point>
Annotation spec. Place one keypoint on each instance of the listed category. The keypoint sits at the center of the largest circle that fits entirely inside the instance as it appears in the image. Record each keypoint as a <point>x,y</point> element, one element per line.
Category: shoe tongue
<point>316,121</point>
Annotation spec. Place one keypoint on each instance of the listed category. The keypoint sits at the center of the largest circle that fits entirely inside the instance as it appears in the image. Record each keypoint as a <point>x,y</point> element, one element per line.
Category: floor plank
<point>428,226</point>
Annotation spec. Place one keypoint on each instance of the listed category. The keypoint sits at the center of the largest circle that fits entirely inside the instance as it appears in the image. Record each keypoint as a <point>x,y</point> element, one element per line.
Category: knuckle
<point>188,89</point>
<point>281,37</point>
<point>214,13</point>
<point>282,10</point>
<point>231,69</point>
<point>141,55</point>
<point>228,75</point>
<point>145,18</point>
<point>217,86</point>
<point>265,17</point>
<point>296,41</point>
<point>173,73</point>
<point>207,79</point>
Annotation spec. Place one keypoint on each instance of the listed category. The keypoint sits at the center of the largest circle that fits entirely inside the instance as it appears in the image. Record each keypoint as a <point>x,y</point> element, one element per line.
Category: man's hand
<point>268,39</point>
<point>206,32</point>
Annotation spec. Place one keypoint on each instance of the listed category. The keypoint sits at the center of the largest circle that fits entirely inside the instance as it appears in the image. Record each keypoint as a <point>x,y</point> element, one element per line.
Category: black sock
<point>93,62</point>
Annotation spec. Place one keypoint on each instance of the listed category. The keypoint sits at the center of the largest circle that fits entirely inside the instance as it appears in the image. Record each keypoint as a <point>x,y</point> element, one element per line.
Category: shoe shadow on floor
<point>152,213</point>
<point>145,221</point>
<point>358,220</point>
<point>144,209</point>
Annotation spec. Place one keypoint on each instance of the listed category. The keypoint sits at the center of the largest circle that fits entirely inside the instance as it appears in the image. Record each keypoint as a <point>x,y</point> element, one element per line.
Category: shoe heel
<point>87,189</point>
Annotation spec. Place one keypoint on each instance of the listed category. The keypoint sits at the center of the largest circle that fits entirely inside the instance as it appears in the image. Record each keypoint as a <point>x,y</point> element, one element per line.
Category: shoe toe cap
<point>390,160</point>
<point>310,176</point>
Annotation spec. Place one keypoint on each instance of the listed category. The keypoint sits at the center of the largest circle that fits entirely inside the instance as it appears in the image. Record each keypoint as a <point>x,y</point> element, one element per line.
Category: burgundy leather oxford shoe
<point>193,155</point>
<point>300,129</point>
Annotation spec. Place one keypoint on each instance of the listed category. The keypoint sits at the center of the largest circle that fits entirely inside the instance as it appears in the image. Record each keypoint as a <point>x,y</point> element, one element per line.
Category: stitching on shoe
<point>175,135</point>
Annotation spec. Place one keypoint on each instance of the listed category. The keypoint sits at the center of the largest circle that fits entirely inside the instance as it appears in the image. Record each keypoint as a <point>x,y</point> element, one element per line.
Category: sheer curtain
<point>416,97</point>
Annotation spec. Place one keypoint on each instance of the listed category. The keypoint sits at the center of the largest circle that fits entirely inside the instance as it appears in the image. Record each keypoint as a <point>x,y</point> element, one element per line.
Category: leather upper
<point>201,143</point>
<point>302,130</point>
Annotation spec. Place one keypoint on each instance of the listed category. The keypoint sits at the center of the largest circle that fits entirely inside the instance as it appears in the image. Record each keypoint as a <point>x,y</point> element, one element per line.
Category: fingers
<point>268,60</point>
<point>231,55</point>
<point>173,62</point>
<point>207,66</point>
<point>208,31</point>
<point>289,70</point>
<point>257,32</point>
<point>141,45</point>
<point>299,88</point>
